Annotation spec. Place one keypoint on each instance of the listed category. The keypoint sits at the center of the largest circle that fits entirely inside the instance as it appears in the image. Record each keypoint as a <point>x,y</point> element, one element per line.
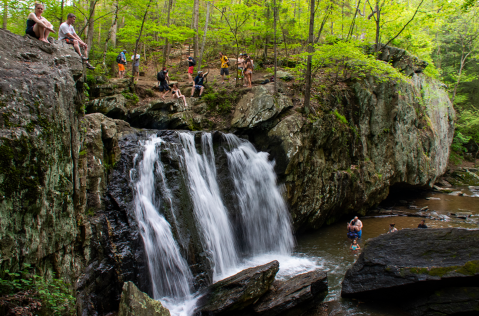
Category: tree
<point>275,18</point>
<point>204,34</point>
<point>5,14</point>
<point>307,92</point>
<point>139,37</point>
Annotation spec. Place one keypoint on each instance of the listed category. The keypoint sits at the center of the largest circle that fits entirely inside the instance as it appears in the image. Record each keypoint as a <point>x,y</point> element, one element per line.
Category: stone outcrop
<point>238,291</point>
<point>415,263</point>
<point>41,91</point>
<point>136,303</point>
<point>288,296</point>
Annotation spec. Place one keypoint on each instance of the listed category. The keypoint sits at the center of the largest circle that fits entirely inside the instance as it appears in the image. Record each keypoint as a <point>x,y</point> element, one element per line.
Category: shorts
<point>30,32</point>
<point>198,87</point>
<point>136,69</point>
<point>121,67</point>
<point>248,71</point>
<point>163,86</point>
<point>240,73</point>
<point>360,233</point>
<point>352,235</point>
<point>69,40</point>
<point>225,71</point>
<point>191,69</point>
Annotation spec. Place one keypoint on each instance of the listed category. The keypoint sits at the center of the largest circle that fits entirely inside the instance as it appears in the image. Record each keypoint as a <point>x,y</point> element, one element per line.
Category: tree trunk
<point>377,26</point>
<point>110,33</point>
<point>5,14</point>
<point>91,26</point>
<point>196,14</point>
<point>265,54</point>
<point>461,67</point>
<point>307,92</point>
<point>99,34</point>
<point>166,47</point>
<point>204,34</point>
<point>275,13</point>
<point>61,12</point>
<point>114,26</point>
<point>138,41</point>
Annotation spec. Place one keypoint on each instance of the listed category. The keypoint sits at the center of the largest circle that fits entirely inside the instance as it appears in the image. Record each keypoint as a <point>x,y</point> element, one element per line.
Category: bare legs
<point>42,32</point>
<point>193,91</point>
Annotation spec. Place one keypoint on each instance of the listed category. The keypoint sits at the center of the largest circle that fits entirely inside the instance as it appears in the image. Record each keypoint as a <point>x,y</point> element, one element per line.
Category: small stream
<point>330,245</point>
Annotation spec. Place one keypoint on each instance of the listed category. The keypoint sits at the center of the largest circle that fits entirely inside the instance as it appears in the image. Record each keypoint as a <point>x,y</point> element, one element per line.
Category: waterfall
<point>170,274</point>
<point>266,222</point>
<point>208,206</point>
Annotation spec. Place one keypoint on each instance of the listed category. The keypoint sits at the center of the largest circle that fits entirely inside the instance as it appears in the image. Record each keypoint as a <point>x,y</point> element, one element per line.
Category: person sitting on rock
<point>354,246</point>
<point>67,33</point>
<point>198,84</point>
<point>163,79</point>
<point>422,225</point>
<point>37,26</point>
<point>177,93</point>
<point>392,229</point>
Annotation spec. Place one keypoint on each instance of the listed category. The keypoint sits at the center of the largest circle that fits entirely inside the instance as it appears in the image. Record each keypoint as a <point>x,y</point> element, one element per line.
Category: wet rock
<point>238,291</point>
<point>293,293</point>
<point>136,303</point>
<point>448,301</point>
<point>258,106</point>
<point>412,262</point>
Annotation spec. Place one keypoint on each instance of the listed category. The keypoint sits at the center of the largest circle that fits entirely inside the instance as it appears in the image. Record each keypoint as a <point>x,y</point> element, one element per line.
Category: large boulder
<point>136,303</point>
<point>259,106</point>
<point>414,262</point>
<point>112,106</point>
<point>238,291</point>
<point>287,296</point>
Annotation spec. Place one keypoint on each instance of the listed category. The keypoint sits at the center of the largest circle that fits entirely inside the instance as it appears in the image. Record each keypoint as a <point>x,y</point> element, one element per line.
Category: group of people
<point>121,61</point>
<point>39,28</point>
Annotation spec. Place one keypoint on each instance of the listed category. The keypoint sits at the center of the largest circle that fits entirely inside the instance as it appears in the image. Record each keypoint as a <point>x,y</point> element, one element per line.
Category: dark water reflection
<point>331,246</point>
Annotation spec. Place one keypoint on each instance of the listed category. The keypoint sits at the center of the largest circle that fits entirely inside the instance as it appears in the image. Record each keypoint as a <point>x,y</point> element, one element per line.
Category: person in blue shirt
<point>121,64</point>
<point>198,84</point>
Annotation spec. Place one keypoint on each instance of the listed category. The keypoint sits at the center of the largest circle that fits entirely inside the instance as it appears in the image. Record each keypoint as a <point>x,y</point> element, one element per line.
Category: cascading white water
<point>208,206</point>
<point>266,222</point>
<point>170,274</point>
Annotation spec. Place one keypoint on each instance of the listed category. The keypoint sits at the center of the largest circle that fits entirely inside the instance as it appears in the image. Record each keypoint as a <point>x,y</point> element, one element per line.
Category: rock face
<point>293,293</point>
<point>414,262</point>
<point>238,291</point>
<point>41,93</point>
<point>372,137</point>
<point>136,303</point>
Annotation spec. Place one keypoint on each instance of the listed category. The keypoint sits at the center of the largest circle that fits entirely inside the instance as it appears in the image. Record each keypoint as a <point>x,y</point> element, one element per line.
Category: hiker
<point>240,64</point>
<point>67,33</point>
<point>136,66</point>
<point>352,232</point>
<point>392,229</point>
<point>163,80</point>
<point>354,246</point>
<point>177,93</point>
<point>37,26</point>
<point>248,73</point>
<point>224,66</point>
<point>191,67</point>
<point>121,61</point>
<point>422,225</point>
<point>198,84</point>
<point>356,222</point>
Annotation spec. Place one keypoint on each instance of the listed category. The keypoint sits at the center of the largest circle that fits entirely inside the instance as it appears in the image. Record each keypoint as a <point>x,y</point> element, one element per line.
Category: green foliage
<point>54,296</point>
<point>340,117</point>
<point>459,142</point>
<point>221,101</point>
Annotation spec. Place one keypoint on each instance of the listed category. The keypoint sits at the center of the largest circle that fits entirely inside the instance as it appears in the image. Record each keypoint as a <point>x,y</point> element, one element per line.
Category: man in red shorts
<point>191,67</point>
<point>67,33</point>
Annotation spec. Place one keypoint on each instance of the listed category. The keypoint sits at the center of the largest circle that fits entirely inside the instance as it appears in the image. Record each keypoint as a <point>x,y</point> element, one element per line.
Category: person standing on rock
<point>191,67</point>
<point>248,73</point>
<point>163,80</point>
<point>121,60</point>
<point>67,33</point>
<point>37,25</point>
<point>136,66</point>
<point>422,224</point>
<point>356,222</point>
<point>224,66</point>
<point>240,64</point>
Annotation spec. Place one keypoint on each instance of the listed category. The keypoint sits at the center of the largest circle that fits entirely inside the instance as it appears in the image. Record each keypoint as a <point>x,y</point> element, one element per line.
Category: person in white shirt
<point>67,33</point>
<point>136,66</point>
<point>356,222</point>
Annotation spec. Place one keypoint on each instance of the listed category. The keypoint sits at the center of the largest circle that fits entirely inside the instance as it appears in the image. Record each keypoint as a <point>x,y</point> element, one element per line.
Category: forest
<point>323,38</point>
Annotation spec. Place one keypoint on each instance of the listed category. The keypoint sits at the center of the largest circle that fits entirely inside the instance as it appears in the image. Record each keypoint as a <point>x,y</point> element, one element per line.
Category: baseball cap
<point>200,72</point>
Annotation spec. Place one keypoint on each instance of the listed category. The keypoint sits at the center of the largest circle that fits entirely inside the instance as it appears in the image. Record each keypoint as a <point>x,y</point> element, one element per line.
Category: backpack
<point>118,58</point>
<point>193,61</point>
<point>161,76</point>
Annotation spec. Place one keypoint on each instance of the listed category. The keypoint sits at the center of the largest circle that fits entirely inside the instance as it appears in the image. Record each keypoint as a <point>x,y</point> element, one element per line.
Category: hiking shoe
<point>89,66</point>
<point>84,58</point>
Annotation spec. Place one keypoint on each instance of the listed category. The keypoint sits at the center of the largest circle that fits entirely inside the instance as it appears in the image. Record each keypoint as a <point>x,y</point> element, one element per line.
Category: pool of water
<point>329,246</point>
